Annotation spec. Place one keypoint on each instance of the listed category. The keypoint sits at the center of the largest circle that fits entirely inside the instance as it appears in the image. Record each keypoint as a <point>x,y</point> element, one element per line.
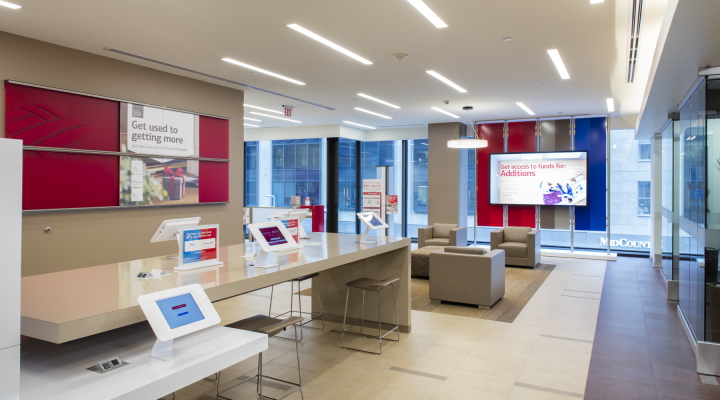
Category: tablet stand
<point>165,351</point>
<point>261,260</point>
<point>363,238</point>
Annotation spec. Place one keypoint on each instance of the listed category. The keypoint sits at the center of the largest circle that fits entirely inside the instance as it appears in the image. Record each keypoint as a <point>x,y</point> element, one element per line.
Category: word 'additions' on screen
<point>539,179</point>
<point>273,236</point>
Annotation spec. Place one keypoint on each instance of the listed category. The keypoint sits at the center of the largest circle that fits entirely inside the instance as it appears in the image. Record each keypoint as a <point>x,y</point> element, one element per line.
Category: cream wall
<point>86,238</point>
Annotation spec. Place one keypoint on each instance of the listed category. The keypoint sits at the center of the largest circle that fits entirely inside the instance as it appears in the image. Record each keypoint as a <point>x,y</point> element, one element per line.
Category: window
<point>645,151</point>
<point>643,197</point>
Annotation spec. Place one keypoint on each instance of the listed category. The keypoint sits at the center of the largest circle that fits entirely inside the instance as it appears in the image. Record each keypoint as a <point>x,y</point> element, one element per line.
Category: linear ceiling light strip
<point>217,77</point>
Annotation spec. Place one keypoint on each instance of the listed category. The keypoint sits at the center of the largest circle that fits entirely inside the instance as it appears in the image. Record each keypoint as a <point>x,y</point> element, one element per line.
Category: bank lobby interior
<point>406,199</point>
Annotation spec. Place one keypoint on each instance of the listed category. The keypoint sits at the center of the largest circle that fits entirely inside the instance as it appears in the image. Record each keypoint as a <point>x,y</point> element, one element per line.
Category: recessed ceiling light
<point>507,39</point>
<point>611,105</point>
<point>428,13</point>
<point>524,107</point>
<point>596,1</point>
<point>353,123</point>
<point>328,43</point>
<point>373,113</point>
<point>254,126</point>
<point>378,100</point>
<point>264,109</point>
<point>252,119</point>
<point>545,83</point>
<point>9,5</point>
<point>555,56</point>
<point>285,78</point>
<point>445,112</point>
<point>272,116</point>
<point>446,81</point>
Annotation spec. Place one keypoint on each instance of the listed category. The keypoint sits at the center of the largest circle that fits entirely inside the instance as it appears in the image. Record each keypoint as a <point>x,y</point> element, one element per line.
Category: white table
<point>51,371</point>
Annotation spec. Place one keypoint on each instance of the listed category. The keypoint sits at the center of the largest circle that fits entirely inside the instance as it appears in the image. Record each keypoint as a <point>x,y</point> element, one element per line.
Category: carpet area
<point>520,286</point>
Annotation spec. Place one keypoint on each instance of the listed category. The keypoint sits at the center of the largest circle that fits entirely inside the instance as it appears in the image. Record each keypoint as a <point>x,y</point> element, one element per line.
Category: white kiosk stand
<point>372,222</point>
<point>169,229</point>
<point>174,313</point>
<point>273,237</point>
<point>294,214</point>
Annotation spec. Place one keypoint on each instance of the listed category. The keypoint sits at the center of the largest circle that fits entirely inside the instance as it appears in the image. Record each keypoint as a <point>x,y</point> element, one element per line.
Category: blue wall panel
<point>590,135</point>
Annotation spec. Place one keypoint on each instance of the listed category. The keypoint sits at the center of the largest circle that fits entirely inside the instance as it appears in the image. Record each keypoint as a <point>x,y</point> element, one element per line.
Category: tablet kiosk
<point>273,237</point>
<point>294,214</point>
<point>372,222</point>
<point>174,313</point>
<point>170,228</point>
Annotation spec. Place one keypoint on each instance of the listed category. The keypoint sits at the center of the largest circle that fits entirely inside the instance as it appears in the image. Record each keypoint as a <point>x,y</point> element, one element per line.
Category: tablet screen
<point>273,236</point>
<point>180,310</point>
<point>374,221</point>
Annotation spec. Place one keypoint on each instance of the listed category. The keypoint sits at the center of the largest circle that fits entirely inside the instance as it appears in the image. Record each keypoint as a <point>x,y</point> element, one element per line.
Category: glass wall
<point>669,248</point>
<point>347,186</point>
<point>388,153</point>
<point>275,170</point>
<point>417,181</point>
<point>692,209</point>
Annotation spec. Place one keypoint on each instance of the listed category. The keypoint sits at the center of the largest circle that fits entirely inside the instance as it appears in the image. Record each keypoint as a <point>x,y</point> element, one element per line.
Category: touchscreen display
<point>374,221</point>
<point>273,236</point>
<point>180,310</point>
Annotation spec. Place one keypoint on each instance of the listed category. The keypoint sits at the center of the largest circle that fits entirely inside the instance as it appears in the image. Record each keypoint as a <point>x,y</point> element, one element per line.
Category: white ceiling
<point>470,52</point>
<point>690,43</point>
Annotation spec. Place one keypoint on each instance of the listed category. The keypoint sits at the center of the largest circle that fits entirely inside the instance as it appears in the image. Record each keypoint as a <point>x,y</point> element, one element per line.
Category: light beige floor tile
<point>439,340</point>
<point>490,353</point>
<point>476,380</point>
<point>350,372</point>
<point>579,323</point>
<point>324,388</point>
<point>564,344</point>
<point>521,393</point>
<point>438,353</point>
<point>528,320</point>
<point>427,365</point>
<point>416,384</point>
<point>309,362</point>
<point>506,369</point>
<point>580,334</point>
<point>556,369</point>
<point>451,392</point>
<point>385,393</point>
<point>505,344</point>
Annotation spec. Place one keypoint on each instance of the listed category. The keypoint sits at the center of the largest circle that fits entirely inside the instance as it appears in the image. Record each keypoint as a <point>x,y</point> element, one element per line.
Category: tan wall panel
<point>87,238</point>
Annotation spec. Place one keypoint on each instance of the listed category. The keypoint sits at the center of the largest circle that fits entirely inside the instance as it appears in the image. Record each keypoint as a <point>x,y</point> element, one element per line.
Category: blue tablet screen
<point>180,310</point>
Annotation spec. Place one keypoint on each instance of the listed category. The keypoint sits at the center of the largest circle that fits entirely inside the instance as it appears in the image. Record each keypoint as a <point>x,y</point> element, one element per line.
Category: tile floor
<point>544,354</point>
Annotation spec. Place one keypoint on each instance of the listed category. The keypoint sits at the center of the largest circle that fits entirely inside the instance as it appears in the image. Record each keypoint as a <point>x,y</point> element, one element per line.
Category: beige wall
<point>447,176</point>
<point>87,238</point>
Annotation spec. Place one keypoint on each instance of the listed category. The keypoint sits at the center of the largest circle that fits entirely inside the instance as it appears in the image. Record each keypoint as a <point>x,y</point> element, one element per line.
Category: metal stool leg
<point>347,297</point>
<point>397,324</point>
<point>380,336</point>
<point>300,313</point>
<point>379,319</point>
<point>362,314</point>
<point>322,312</point>
<point>272,291</point>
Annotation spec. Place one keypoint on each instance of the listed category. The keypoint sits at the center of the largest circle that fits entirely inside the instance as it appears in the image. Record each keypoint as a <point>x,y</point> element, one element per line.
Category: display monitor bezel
<point>489,175</point>
<point>255,231</point>
<point>365,217</point>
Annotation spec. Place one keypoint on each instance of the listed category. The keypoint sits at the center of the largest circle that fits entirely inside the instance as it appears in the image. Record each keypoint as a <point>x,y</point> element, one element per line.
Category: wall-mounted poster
<point>146,181</point>
<point>391,206</point>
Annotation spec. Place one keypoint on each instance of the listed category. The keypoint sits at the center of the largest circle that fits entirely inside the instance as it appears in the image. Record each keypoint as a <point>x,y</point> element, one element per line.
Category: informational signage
<point>146,181</point>
<point>391,204</point>
<point>157,131</point>
<point>199,244</point>
<point>292,227</point>
<point>373,197</point>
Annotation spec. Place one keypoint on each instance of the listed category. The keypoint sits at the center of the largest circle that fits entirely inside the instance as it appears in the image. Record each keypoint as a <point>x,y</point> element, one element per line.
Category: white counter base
<point>50,371</point>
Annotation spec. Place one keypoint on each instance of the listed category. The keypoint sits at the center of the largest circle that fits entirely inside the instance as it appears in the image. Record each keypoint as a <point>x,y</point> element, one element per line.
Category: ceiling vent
<point>215,77</point>
<point>635,20</point>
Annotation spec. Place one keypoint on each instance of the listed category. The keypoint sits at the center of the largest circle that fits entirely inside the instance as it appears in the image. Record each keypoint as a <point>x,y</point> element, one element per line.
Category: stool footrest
<point>297,387</point>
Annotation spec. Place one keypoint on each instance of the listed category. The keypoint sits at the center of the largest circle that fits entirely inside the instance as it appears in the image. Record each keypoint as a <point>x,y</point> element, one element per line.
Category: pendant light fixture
<point>468,143</point>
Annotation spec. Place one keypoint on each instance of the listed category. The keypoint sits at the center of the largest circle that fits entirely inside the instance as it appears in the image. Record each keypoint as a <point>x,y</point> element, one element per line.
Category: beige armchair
<point>521,245</point>
<point>467,275</point>
<point>442,235</point>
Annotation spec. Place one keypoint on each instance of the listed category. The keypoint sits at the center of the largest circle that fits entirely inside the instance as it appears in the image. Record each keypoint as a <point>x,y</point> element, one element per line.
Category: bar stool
<point>370,285</point>
<point>271,327</point>
<point>301,312</point>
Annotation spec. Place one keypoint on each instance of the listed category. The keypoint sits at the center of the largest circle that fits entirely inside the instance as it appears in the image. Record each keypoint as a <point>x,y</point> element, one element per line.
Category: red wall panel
<point>67,180</point>
<point>49,118</point>
<point>42,117</point>
<point>214,178</point>
<point>521,139</point>
<point>214,137</point>
<point>487,214</point>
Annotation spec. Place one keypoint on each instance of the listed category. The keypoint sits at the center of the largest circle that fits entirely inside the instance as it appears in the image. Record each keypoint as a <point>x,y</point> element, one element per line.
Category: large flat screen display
<point>539,179</point>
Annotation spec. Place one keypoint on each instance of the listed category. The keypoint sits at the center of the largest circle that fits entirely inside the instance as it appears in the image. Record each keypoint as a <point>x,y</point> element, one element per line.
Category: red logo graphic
<point>180,306</point>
